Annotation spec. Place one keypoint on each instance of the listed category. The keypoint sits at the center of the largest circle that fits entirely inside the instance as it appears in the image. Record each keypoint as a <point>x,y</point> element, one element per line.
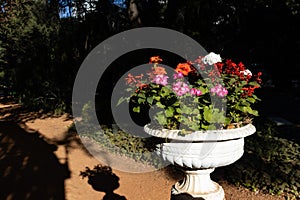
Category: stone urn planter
<point>198,154</point>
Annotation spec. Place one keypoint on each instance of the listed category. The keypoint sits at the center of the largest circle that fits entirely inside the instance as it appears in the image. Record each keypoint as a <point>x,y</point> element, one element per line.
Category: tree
<point>28,34</point>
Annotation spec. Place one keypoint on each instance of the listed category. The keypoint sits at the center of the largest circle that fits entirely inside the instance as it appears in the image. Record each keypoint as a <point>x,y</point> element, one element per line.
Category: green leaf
<point>141,100</point>
<point>121,100</point>
<point>243,83</point>
<point>141,95</point>
<point>207,114</point>
<point>161,119</point>
<point>178,110</point>
<point>196,112</point>
<point>186,109</point>
<point>136,109</point>
<point>158,104</point>
<point>164,92</point>
<point>218,116</point>
<point>241,108</point>
<point>176,104</point>
<point>251,100</point>
<point>157,98</point>
<point>245,103</point>
<point>253,83</point>
<point>169,112</point>
<point>150,100</point>
<point>254,112</point>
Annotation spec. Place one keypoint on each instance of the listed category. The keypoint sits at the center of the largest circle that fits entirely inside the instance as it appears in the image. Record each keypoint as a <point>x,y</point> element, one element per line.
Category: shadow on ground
<point>102,179</point>
<point>28,167</point>
<point>185,197</point>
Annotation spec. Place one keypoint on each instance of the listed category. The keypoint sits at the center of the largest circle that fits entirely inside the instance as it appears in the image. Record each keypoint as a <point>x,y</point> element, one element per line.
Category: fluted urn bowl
<point>198,154</point>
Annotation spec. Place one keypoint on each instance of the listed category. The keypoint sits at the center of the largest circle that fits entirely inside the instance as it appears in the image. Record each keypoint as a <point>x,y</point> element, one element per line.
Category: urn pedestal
<point>198,154</point>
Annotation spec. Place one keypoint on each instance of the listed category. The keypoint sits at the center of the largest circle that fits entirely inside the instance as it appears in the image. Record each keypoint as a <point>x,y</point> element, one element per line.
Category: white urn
<point>198,154</point>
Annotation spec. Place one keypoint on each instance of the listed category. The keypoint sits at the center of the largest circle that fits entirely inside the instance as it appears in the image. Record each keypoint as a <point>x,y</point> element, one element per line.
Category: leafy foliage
<point>271,163</point>
<point>116,141</point>
<point>113,139</point>
<point>28,35</point>
<point>214,88</point>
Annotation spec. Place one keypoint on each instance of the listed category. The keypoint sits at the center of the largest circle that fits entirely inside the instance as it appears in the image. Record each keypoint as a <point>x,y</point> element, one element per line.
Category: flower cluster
<point>219,90</point>
<point>185,98</point>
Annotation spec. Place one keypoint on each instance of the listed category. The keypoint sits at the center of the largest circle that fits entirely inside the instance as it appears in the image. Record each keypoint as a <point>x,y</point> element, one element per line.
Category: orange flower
<point>133,79</point>
<point>139,77</point>
<point>184,68</point>
<point>130,79</point>
<point>155,59</point>
<point>159,70</point>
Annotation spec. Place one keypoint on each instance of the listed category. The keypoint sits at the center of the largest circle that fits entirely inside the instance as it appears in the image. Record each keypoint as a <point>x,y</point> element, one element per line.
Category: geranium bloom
<point>211,58</point>
<point>130,79</point>
<point>160,79</point>
<point>178,75</point>
<point>155,59</point>
<point>186,98</point>
<point>248,91</point>
<point>184,68</point>
<point>180,88</point>
<point>258,79</point>
<point>133,80</point>
<point>195,92</point>
<point>141,85</point>
<point>219,90</point>
<point>246,72</point>
<point>159,70</point>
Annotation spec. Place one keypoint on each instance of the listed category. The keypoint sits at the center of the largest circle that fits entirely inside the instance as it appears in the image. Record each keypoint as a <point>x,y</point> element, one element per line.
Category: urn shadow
<point>102,179</point>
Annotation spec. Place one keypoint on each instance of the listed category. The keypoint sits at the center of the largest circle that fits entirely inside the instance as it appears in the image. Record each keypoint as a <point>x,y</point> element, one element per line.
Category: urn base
<point>197,185</point>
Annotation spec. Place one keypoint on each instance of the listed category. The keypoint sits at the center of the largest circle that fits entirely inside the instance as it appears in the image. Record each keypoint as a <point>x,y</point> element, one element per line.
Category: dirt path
<point>40,159</point>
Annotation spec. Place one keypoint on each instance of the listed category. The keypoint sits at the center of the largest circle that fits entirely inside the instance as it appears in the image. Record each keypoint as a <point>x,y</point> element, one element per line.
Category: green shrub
<point>270,163</point>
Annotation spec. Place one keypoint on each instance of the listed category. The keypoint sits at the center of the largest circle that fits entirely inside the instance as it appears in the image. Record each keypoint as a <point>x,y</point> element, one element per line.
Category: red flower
<point>219,65</point>
<point>258,79</point>
<point>249,91</point>
<point>141,86</point>
<point>241,66</point>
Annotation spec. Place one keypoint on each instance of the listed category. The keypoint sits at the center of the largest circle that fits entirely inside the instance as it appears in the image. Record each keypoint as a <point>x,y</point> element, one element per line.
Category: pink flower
<point>160,79</point>
<point>219,90</point>
<point>178,75</point>
<point>180,88</point>
<point>195,92</point>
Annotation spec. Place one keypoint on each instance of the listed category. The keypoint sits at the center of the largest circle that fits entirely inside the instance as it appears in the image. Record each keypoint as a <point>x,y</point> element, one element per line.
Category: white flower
<point>212,58</point>
<point>246,72</point>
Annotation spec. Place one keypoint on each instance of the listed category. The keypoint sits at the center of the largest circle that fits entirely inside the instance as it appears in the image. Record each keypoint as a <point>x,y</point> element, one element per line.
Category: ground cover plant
<point>270,164</point>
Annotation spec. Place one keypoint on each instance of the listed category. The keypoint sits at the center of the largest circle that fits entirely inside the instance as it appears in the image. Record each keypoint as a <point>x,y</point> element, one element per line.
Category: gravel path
<point>40,159</point>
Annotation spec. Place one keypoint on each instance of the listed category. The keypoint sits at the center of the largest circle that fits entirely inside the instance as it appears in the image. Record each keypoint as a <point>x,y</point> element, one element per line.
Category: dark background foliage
<point>42,43</point>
